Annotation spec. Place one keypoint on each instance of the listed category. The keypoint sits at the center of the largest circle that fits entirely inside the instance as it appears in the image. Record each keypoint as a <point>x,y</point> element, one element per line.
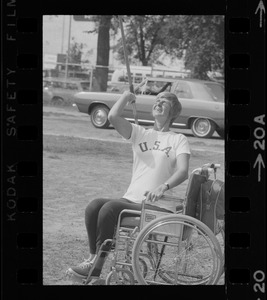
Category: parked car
<point>47,94</point>
<point>202,105</point>
<point>61,91</point>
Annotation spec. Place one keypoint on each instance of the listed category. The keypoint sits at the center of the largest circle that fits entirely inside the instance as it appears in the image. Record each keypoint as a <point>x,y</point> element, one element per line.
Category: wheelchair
<point>157,248</point>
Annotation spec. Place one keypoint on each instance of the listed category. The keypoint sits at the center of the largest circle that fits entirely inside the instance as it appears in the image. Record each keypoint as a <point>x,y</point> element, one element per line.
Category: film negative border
<point>245,157</point>
<point>21,149</point>
<point>245,254</point>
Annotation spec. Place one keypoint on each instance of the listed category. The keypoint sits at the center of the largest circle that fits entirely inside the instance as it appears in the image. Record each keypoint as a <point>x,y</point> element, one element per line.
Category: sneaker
<point>82,270</point>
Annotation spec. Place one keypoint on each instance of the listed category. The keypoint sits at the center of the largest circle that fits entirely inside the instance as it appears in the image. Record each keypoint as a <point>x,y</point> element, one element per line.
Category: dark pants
<point>101,217</point>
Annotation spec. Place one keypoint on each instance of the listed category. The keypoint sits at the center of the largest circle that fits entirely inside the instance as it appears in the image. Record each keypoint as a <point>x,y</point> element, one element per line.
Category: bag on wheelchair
<point>210,206</point>
<point>205,201</point>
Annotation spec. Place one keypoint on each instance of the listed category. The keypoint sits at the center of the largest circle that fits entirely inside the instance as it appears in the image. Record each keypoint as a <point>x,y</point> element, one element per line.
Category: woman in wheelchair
<point>160,162</point>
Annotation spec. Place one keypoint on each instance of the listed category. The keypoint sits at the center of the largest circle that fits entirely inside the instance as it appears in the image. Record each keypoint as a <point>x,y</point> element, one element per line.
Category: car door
<point>217,92</point>
<point>144,104</point>
<point>195,100</point>
<point>183,92</point>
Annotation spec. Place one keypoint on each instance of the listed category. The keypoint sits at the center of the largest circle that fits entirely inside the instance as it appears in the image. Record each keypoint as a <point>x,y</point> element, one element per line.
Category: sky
<point>56,35</point>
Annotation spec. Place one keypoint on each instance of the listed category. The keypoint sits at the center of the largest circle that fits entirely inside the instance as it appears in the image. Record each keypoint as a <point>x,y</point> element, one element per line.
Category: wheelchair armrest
<point>129,221</point>
<point>170,203</point>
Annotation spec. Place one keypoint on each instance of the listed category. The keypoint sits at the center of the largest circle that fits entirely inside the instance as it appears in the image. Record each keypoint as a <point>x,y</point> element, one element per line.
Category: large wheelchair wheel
<point>221,239</point>
<point>188,253</point>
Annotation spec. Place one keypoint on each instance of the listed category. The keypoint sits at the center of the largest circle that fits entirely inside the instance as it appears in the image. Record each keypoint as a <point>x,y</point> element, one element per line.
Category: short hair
<point>176,106</point>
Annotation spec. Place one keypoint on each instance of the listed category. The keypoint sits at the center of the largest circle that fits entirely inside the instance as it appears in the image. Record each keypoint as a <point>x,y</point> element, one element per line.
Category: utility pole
<point>63,33</point>
<point>67,59</point>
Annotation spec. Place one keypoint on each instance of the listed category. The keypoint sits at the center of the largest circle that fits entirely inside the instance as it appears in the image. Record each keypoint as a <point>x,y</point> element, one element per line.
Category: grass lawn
<point>76,171</point>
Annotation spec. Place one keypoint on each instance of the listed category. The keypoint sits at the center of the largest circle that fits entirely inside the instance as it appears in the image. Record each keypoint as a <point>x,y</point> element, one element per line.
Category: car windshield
<point>71,86</point>
<point>216,90</point>
<point>56,84</point>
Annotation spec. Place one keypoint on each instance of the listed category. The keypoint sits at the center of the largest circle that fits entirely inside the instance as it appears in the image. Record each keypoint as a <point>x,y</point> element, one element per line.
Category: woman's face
<point>161,108</point>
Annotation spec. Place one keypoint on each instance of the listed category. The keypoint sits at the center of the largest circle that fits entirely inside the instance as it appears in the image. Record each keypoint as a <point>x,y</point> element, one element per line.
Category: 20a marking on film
<point>259,143</point>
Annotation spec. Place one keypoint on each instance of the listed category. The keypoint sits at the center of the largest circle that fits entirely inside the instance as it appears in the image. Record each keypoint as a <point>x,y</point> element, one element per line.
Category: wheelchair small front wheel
<point>120,276</point>
<point>188,252</point>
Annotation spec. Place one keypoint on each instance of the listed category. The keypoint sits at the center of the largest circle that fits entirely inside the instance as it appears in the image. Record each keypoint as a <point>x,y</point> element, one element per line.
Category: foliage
<point>199,39</point>
<point>74,55</point>
<point>144,39</point>
<point>75,52</point>
<point>96,19</point>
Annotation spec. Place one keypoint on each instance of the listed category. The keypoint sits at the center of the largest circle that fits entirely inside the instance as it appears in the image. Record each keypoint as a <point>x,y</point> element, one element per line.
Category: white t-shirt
<point>154,159</point>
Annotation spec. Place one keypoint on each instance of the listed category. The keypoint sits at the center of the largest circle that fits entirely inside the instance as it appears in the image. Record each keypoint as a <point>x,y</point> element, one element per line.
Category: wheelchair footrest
<point>99,261</point>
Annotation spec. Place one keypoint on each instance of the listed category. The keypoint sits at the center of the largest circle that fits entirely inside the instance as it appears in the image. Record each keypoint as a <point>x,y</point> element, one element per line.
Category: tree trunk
<point>103,47</point>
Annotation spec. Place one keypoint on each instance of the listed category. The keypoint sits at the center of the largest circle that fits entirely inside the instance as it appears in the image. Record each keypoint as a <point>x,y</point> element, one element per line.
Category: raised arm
<point>123,126</point>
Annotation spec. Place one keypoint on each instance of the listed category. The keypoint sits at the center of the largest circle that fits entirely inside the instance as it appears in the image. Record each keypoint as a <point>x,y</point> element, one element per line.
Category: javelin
<point>128,69</point>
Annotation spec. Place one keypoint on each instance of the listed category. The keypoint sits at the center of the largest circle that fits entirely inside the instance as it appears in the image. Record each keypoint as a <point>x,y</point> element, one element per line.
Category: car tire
<point>202,128</point>
<point>99,116</point>
<point>221,132</point>
<point>57,101</point>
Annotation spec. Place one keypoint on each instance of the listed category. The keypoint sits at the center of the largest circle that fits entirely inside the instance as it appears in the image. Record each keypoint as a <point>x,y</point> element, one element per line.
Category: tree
<point>74,55</point>
<point>102,27</point>
<point>103,47</point>
<point>199,39</point>
<point>75,52</point>
<point>143,37</point>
